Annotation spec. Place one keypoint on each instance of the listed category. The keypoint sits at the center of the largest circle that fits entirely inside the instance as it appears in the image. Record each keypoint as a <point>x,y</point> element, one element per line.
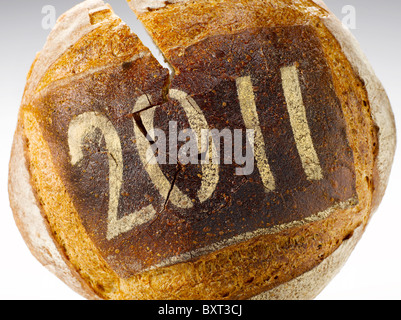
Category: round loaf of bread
<point>250,170</point>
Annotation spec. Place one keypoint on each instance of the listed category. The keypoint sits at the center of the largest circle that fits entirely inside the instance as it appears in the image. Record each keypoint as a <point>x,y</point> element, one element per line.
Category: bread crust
<point>217,274</point>
<point>310,284</point>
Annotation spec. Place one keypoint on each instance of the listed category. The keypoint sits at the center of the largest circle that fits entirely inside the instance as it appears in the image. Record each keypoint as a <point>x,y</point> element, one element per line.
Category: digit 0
<point>197,121</point>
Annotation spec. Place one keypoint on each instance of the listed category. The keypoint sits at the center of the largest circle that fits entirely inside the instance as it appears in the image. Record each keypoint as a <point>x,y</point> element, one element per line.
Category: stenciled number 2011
<point>89,122</point>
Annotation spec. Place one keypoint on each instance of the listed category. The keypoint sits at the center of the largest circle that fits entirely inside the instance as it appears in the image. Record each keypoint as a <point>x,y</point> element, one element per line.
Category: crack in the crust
<point>114,159</point>
<point>138,29</point>
<point>172,186</point>
<point>136,116</point>
<point>139,123</point>
<point>138,113</point>
<point>158,214</point>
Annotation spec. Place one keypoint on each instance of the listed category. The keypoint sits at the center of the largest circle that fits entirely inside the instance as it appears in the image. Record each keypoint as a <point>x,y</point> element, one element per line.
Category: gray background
<point>374,269</point>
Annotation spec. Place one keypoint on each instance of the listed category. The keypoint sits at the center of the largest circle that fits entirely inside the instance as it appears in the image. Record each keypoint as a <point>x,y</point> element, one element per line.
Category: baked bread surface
<point>104,69</point>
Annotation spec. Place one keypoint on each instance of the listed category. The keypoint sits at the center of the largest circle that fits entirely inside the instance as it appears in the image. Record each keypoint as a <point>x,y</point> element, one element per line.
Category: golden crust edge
<point>310,284</point>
